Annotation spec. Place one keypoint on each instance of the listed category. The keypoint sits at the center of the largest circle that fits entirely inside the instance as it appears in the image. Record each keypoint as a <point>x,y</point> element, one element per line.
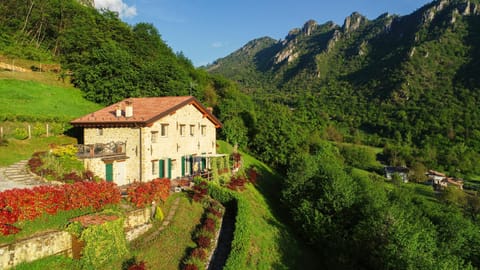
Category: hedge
<point>241,237</point>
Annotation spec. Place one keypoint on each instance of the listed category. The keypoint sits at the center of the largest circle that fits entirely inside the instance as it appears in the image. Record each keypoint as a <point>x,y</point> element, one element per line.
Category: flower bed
<point>27,204</point>
<point>144,193</point>
<point>204,236</point>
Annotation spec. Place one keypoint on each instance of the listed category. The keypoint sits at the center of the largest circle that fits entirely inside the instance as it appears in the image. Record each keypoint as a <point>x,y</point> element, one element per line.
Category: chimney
<point>210,110</point>
<point>118,111</point>
<point>128,108</point>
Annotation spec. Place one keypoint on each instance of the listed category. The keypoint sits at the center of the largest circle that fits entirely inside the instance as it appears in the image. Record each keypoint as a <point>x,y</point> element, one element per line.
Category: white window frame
<point>154,136</point>
<point>164,130</point>
<point>192,130</point>
<point>182,130</point>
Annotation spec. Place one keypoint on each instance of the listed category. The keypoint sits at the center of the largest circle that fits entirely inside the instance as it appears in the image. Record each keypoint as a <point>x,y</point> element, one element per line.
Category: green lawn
<point>171,245</point>
<point>41,101</point>
<point>17,150</point>
<point>273,244</point>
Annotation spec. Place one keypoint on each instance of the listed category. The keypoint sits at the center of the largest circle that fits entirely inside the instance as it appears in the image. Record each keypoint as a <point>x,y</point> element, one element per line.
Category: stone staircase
<point>17,176</point>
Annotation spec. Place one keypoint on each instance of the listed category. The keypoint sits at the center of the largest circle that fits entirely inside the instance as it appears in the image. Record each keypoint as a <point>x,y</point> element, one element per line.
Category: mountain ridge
<point>407,78</point>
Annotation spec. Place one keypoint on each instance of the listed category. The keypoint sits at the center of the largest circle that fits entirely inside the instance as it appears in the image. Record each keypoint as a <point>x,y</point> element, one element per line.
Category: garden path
<point>17,176</point>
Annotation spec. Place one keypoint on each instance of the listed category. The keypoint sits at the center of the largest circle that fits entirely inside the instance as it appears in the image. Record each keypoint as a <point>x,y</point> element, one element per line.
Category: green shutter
<point>183,166</point>
<point>161,168</point>
<point>204,163</point>
<point>169,168</point>
<point>191,165</point>
<point>109,172</point>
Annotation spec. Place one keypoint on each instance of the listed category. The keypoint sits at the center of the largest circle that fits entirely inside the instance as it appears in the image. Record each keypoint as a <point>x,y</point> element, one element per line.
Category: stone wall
<point>60,242</point>
<point>35,248</point>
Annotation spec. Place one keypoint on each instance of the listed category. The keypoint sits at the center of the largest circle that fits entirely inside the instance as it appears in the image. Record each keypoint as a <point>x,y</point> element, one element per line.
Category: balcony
<point>99,150</point>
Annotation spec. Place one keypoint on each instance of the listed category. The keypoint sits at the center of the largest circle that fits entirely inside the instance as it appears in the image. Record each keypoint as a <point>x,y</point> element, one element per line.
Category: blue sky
<point>205,30</point>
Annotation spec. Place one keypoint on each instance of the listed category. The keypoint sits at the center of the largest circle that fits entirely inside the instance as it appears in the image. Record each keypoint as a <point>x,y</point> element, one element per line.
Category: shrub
<point>209,225</point>
<point>200,190</point>
<point>158,213</point>
<point>28,204</point>
<point>204,241</point>
<point>72,177</point>
<point>144,193</point>
<point>199,253</point>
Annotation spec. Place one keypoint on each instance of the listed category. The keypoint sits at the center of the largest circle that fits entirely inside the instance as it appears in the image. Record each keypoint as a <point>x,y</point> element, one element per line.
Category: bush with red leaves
<point>237,183</point>
<point>28,204</point>
<point>199,253</point>
<point>138,266</point>
<point>72,177</point>
<point>190,267</point>
<point>144,193</point>
<point>252,175</point>
<point>200,191</point>
<point>204,241</point>
<point>209,225</point>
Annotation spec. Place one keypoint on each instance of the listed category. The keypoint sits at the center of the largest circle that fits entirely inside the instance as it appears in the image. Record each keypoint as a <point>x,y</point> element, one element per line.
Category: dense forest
<point>405,82</point>
<point>309,106</point>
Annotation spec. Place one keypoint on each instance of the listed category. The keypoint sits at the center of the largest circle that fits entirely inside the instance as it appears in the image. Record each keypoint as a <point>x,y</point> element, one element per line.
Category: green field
<point>32,100</point>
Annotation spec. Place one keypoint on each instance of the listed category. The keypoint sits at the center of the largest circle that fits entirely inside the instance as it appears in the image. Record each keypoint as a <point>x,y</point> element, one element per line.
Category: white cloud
<point>124,10</point>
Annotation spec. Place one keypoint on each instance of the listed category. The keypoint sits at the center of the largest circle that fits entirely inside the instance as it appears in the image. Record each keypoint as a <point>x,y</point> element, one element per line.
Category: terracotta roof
<point>432,172</point>
<point>145,111</point>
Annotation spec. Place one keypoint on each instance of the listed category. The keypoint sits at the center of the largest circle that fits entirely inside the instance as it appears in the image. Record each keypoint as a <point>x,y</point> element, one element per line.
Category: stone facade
<point>184,136</point>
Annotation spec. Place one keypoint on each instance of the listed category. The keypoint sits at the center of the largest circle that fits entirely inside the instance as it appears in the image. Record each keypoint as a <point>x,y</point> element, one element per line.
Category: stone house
<point>146,138</point>
<point>401,171</point>
<point>440,180</point>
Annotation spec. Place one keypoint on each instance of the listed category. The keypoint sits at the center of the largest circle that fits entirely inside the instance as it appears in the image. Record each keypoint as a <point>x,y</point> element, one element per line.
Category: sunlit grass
<point>170,247</point>
<point>17,150</point>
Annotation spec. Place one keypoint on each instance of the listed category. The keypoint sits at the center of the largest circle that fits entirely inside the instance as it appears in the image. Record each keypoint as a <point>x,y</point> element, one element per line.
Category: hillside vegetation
<point>32,101</point>
<point>409,81</point>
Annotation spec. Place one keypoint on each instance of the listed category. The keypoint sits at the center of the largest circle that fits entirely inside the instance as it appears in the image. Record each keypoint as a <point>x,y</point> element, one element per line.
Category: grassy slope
<point>36,95</point>
<point>273,244</point>
<point>171,245</point>
<point>23,149</point>
<point>29,98</point>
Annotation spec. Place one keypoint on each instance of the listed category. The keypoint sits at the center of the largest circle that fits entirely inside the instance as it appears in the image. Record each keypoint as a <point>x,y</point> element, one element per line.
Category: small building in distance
<point>440,180</point>
<point>401,171</point>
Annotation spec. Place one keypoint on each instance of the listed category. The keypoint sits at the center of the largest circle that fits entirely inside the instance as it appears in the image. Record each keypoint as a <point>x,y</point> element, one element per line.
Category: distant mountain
<point>412,78</point>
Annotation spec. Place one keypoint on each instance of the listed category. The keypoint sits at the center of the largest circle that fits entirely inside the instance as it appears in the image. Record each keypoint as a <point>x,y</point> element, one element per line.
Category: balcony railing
<point>101,149</point>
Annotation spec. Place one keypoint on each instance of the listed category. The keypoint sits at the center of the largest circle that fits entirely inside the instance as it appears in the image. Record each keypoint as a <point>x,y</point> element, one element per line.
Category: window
<point>192,130</point>
<point>164,130</point>
<point>154,167</point>
<point>182,130</point>
<point>99,131</point>
<point>154,136</point>
<point>204,130</point>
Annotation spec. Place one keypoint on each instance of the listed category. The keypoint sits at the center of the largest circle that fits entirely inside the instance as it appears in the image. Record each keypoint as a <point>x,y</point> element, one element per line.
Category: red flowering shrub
<point>72,177</point>
<point>138,266</point>
<point>214,211</point>
<point>190,267</point>
<point>27,204</point>
<point>252,175</point>
<point>144,193</point>
<point>209,225</point>
<point>203,241</point>
<point>199,253</point>
<point>237,183</point>
<point>200,191</point>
